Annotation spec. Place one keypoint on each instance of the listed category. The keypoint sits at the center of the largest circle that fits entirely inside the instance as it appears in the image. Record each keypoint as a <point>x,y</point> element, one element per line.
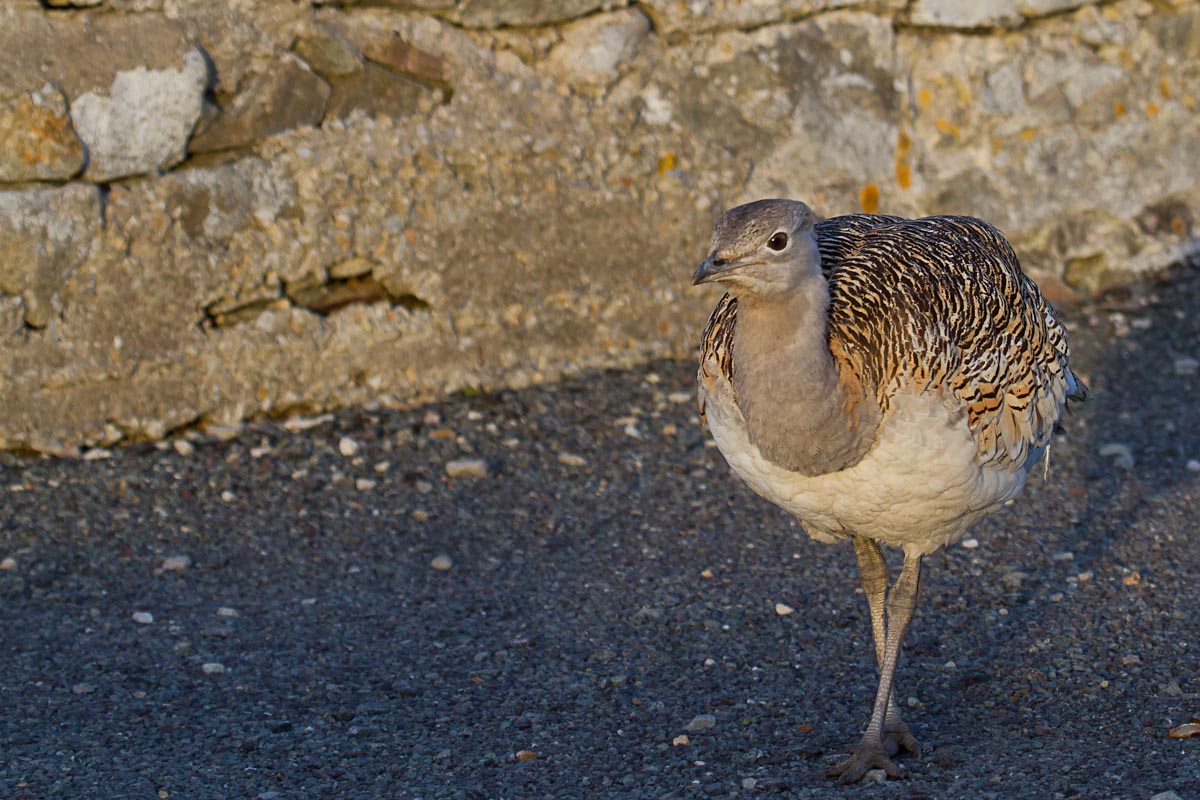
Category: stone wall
<point>212,209</point>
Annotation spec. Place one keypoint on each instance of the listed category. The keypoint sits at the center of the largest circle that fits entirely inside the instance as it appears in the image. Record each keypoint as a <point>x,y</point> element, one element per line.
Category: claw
<point>867,756</point>
<point>896,743</point>
<point>899,740</point>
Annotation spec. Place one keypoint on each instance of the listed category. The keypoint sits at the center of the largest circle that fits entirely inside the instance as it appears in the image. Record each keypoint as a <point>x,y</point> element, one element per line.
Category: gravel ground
<point>326,613</point>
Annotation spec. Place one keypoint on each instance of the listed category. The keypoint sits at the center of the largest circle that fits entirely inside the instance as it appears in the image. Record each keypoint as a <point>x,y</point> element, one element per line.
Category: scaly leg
<point>869,754</point>
<point>872,568</point>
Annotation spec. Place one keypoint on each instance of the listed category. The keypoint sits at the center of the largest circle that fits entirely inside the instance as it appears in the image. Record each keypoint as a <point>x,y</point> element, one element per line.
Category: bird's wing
<point>941,304</point>
<point>716,348</point>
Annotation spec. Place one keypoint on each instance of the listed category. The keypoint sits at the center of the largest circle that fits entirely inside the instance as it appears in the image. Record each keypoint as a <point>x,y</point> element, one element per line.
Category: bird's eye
<point>778,241</point>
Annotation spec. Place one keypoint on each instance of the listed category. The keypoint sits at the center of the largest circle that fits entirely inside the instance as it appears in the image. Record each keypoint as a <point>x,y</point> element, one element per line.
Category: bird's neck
<point>790,388</point>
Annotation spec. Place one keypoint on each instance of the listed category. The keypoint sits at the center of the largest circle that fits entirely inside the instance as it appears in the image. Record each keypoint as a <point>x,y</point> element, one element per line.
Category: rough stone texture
<point>45,237</point>
<point>37,140</point>
<point>676,19</point>
<point>133,84</point>
<point>985,13</point>
<point>377,91</point>
<point>329,53</point>
<point>285,94</point>
<point>143,121</point>
<point>492,13</point>
<point>85,52</point>
<point>593,49</point>
<point>409,200</point>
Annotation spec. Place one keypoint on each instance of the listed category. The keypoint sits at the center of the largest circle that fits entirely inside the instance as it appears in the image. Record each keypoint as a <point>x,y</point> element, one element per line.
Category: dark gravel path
<point>592,611</point>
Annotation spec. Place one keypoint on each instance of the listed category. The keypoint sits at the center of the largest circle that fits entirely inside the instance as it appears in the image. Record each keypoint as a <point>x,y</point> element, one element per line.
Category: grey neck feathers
<point>788,388</point>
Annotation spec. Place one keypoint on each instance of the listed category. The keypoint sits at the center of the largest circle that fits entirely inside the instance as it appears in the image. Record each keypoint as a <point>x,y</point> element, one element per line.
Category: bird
<point>887,381</point>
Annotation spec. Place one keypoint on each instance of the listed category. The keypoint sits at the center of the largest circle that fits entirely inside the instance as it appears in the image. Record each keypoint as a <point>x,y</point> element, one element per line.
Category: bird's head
<point>762,249</point>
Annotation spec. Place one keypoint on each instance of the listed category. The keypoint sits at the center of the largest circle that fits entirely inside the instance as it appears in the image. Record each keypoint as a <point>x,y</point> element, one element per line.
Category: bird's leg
<point>869,754</point>
<point>872,569</point>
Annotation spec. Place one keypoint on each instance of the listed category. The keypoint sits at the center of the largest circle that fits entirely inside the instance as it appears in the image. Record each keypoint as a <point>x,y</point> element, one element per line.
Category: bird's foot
<point>897,739</point>
<point>867,756</point>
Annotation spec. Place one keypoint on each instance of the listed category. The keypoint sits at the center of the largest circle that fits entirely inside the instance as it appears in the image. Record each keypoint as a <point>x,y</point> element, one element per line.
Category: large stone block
<point>985,13</point>
<point>143,121</point>
<point>965,13</point>
<point>675,19</point>
<point>284,94</point>
<point>592,50</point>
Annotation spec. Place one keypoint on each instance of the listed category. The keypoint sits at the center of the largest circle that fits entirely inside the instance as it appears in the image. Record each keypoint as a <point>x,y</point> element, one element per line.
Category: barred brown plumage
<point>884,379</point>
<point>938,302</point>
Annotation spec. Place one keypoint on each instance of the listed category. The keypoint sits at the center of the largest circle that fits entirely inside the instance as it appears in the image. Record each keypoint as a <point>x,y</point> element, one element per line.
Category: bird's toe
<point>899,740</point>
<point>867,756</point>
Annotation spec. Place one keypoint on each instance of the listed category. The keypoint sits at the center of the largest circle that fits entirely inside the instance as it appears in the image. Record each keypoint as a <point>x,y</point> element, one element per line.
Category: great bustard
<point>885,380</point>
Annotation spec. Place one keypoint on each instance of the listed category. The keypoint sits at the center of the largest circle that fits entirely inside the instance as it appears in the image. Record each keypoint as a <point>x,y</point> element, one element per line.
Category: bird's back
<point>938,305</point>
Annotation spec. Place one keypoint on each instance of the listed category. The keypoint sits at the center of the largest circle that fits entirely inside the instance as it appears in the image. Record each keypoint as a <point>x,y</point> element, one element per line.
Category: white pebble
<point>782,609</point>
<point>572,460</point>
<point>441,563</point>
<point>298,424</point>
<point>1193,465</point>
<point>875,776</point>
<point>97,454</point>
<point>228,496</point>
<point>347,447</point>
<point>1186,366</point>
<point>1121,455</point>
<point>431,418</point>
<point>467,468</point>
<point>183,447</point>
<point>213,668</point>
<point>679,397</point>
<point>8,563</point>
<point>1065,555</point>
<point>970,544</point>
<point>143,617</point>
<point>226,611</point>
<point>364,484</point>
<point>224,432</point>
<point>175,563</point>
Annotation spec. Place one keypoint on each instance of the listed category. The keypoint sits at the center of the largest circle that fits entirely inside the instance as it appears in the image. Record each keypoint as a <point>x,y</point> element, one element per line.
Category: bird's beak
<point>711,269</point>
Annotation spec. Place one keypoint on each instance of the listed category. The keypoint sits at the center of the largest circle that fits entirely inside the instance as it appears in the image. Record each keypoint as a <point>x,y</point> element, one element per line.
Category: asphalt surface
<point>296,639</point>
